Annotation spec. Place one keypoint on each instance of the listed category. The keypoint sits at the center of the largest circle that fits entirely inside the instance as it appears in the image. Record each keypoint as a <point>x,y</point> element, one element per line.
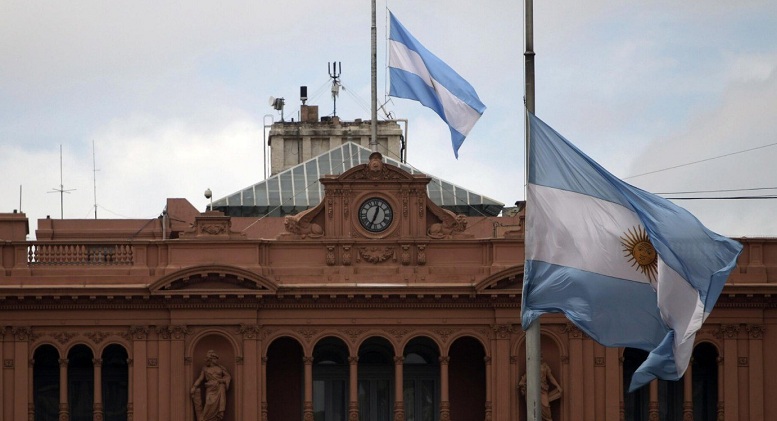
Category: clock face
<point>375,214</point>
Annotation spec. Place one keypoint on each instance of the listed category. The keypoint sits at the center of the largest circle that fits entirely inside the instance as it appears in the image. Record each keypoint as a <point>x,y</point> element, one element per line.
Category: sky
<point>151,100</point>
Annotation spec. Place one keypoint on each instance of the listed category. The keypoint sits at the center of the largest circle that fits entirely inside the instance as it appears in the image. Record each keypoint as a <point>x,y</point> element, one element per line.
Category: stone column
<point>721,406</point>
<point>307,406</point>
<point>489,398</point>
<point>250,382</point>
<point>263,386</point>
<point>399,388</point>
<point>653,401</point>
<point>730,371</point>
<point>139,336</point>
<point>445,404</point>
<point>756,371</point>
<point>688,392</point>
<point>130,410</point>
<point>179,392</point>
<point>20,370</point>
<point>97,408</point>
<point>576,393</point>
<point>353,388</point>
<point>30,388</point>
<point>64,413</point>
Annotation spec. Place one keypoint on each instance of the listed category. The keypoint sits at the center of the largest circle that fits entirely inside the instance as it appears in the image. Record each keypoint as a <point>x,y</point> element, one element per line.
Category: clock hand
<point>375,216</point>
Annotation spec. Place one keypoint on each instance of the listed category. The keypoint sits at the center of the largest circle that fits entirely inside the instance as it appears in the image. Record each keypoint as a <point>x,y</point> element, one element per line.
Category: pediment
<point>507,279</point>
<point>377,170</point>
<point>213,279</point>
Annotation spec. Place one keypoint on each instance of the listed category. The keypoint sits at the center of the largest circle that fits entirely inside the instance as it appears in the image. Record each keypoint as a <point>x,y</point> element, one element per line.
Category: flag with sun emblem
<point>629,268</point>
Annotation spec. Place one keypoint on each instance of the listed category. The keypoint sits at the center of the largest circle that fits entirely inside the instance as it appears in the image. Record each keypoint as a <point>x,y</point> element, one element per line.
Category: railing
<point>80,254</point>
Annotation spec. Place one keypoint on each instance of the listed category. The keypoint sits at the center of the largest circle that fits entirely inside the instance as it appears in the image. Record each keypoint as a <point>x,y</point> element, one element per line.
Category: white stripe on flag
<point>458,113</point>
<point>579,231</point>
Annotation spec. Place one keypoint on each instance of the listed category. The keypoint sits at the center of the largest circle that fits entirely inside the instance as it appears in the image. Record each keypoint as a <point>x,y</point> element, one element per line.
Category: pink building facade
<point>376,304</point>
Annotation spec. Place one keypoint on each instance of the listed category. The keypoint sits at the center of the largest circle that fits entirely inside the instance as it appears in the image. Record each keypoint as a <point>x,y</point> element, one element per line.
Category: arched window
<point>115,383</point>
<point>45,379</point>
<point>330,380</point>
<point>705,382</point>
<point>421,380</point>
<point>80,383</point>
<point>635,404</point>
<point>376,380</point>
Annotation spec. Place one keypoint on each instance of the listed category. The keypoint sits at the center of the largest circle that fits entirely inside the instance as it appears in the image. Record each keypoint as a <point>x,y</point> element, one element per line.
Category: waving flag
<point>419,75</point>
<point>629,268</point>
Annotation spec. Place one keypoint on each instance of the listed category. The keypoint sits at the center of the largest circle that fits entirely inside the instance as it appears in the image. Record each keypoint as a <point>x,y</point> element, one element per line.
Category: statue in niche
<point>213,382</point>
<point>546,396</point>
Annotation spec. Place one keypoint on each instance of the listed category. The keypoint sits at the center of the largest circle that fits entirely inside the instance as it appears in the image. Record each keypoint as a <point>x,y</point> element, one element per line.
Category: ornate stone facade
<point>423,309</point>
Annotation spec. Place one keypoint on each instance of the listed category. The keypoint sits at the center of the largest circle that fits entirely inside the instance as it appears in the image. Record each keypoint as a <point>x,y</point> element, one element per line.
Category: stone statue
<point>214,380</point>
<point>547,395</point>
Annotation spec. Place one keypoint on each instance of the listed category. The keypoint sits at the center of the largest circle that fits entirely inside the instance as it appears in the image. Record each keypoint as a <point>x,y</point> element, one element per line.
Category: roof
<point>298,188</point>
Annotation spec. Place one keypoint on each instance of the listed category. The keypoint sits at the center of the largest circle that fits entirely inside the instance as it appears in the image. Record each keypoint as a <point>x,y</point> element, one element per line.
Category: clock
<point>375,214</point>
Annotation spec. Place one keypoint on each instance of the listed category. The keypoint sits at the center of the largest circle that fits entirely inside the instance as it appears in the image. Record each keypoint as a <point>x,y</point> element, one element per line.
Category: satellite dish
<point>277,103</point>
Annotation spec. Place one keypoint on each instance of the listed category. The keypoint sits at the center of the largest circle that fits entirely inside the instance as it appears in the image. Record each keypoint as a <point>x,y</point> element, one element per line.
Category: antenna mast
<point>94,179</point>
<point>61,190</point>
<point>335,69</point>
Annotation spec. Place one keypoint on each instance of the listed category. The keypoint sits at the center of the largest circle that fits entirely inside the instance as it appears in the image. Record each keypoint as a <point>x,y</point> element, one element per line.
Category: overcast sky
<point>173,95</point>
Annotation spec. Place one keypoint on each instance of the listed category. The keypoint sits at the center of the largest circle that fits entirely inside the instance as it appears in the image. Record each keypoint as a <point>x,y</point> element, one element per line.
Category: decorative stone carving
<point>421,254</point>
<point>450,226</point>
<point>727,332</point>
<point>399,411</point>
<point>756,331</point>
<point>63,337</point>
<point>138,332</point>
<point>405,256</point>
<point>346,255</point>
<point>307,332</point>
<point>21,333</point>
<point>97,337</point>
<point>330,255</point>
<point>354,333</point>
<point>444,333</point>
<point>250,331</point>
<point>178,332</point>
<point>375,254</point>
<point>503,331</point>
<point>573,331</point>
<point>398,332</point>
<point>375,170</point>
<point>214,381</point>
<point>301,225</point>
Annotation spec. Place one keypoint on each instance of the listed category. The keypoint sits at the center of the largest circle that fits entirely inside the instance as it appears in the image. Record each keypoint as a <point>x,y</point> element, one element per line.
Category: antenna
<point>94,179</point>
<point>61,188</point>
<point>303,94</point>
<point>335,69</point>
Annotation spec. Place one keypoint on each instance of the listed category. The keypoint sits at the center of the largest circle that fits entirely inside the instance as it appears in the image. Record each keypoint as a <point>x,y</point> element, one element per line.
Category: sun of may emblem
<point>640,252</point>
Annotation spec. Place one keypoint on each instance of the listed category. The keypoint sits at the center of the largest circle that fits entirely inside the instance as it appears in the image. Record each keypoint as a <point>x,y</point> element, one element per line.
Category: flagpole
<point>533,336</point>
<point>374,82</point>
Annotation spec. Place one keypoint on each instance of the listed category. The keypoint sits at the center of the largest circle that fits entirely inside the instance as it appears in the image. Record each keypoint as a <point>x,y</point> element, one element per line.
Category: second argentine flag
<point>629,268</point>
<point>419,75</point>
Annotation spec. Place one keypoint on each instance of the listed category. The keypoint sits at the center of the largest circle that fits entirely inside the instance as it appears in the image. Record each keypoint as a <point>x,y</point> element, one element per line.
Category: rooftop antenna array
<point>278,104</point>
<point>335,69</point>
<point>94,179</point>
<point>61,190</point>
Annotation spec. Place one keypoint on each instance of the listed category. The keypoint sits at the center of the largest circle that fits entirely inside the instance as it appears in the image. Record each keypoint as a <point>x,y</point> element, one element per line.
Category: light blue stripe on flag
<point>627,267</point>
<point>419,75</point>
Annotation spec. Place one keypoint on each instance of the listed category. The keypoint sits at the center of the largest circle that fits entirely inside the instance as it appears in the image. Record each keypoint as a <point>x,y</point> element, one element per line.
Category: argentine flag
<point>419,75</point>
<point>629,268</point>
